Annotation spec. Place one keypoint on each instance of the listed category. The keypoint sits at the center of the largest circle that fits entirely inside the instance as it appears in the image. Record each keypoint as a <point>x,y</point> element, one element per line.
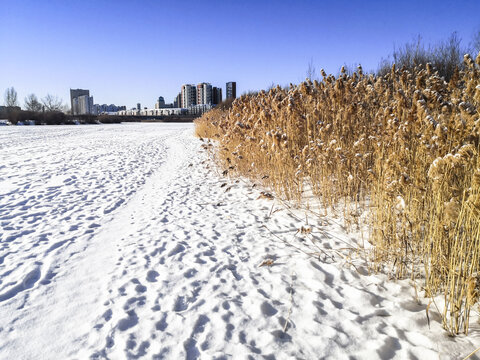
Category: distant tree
<point>411,54</point>
<point>384,66</point>
<point>475,44</point>
<point>448,55</point>
<point>225,104</point>
<point>311,72</point>
<point>52,103</point>
<point>445,56</point>
<point>254,92</point>
<point>32,103</point>
<point>10,97</point>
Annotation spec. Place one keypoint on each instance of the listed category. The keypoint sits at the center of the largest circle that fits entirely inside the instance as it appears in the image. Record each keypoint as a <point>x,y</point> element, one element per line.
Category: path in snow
<point>132,248</point>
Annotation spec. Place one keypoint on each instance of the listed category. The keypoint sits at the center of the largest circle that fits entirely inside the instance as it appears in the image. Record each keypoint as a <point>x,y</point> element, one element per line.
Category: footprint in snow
<point>267,309</point>
<point>152,276</point>
<point>130,321</point>
<point>177,249</point>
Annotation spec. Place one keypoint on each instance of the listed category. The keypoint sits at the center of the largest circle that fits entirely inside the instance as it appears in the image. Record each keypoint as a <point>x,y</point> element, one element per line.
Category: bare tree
<point>475,44</point>
<point>411,54</point>
<point>445,56</point>
<point>32,103</point>
<point>311,71</point>
<point>449,55</point>
<point>11,97</point>
<point>52,103</point>
<point>272,86</point>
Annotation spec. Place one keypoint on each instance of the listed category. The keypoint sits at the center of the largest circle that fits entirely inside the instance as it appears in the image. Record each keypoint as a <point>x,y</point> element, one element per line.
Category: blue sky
<point>126,52</point>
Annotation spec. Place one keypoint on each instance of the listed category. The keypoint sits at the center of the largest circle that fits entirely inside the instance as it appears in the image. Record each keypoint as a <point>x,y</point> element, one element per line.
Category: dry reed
<point>406,143</point>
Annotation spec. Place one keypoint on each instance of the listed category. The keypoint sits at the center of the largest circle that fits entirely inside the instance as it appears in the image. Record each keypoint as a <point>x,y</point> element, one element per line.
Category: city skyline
<point>131,52</point>
<point>212,95</point>
<point>190,96</point>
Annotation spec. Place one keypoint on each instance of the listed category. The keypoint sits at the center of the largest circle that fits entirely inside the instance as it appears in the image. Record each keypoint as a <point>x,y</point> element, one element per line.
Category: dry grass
<point>406,143</point>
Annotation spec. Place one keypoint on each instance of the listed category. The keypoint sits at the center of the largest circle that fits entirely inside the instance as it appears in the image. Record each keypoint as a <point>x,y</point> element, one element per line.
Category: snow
<point>119,241</point>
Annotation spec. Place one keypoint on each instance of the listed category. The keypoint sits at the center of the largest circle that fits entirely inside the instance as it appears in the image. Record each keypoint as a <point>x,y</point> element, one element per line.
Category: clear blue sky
<point>126,52</point>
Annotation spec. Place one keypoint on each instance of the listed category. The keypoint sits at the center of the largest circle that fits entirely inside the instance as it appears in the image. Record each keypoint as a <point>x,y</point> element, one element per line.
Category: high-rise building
<point>74,105</point>
<point>82,105</point>
<point>231,91</point>
<point>216,95</point>
<point>204,94</point>
<point>199,93</point>
<point>75,94</point>
<point>90,104</point>
<point>160,104</point>
<point>177,102</point>
<point>105,109</point>
<point>139,106</point>
<point>189,95</point>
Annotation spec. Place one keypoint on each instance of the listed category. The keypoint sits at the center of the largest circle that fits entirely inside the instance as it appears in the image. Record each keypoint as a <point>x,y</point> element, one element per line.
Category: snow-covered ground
<point>123,241</point>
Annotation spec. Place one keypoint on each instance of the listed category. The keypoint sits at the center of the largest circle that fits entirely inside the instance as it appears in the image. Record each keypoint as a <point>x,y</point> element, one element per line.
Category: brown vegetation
<point>407,143</point>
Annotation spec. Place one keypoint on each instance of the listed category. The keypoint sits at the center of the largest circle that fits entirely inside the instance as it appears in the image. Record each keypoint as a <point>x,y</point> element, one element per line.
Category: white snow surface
<point>120,242</point>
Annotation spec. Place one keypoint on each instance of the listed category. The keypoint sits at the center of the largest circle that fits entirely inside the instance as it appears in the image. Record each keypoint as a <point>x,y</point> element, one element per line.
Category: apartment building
<point>231,90</point>
<point>189,95</point>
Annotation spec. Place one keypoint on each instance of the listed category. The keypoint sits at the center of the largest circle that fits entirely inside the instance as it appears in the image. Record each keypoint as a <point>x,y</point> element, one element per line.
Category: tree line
<point>32,103</point>
<point>445,56</point>
<point>49,110</point>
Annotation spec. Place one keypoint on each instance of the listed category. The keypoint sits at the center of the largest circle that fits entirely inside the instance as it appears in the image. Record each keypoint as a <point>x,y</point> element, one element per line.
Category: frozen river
<point>58,184</point>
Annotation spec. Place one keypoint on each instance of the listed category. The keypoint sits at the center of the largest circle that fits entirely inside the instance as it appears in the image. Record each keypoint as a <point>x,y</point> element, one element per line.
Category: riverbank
<point>20,117</point>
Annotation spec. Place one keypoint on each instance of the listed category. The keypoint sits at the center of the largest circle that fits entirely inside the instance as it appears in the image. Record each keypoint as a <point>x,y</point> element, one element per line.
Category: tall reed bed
<point>407,143</point>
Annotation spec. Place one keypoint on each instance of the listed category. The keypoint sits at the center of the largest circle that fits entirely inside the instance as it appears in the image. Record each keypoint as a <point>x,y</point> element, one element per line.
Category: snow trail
<point>164,262</point>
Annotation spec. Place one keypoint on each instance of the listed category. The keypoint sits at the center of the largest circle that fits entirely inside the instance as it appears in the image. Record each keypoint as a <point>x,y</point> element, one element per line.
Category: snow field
<point>121,242</point>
